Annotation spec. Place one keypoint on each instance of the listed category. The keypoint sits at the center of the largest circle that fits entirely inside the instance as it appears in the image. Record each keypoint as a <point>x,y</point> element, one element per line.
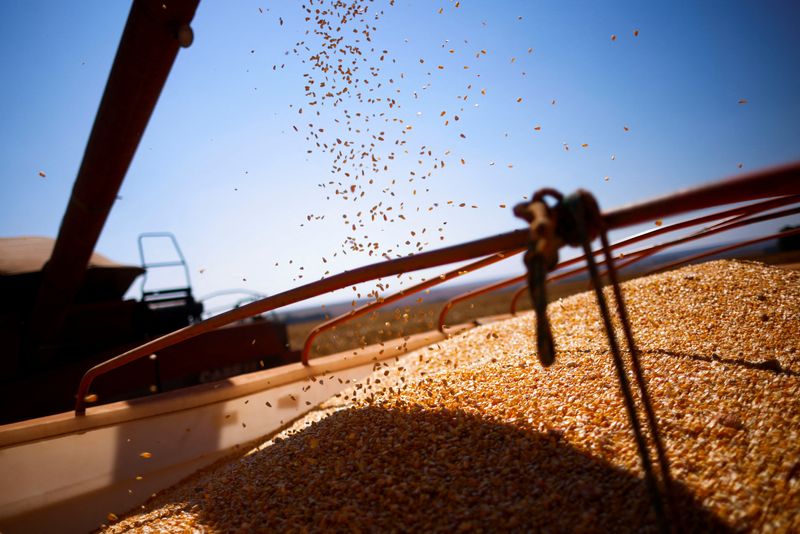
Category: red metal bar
<point>649,251</point>
<point>734,213</point>
<point>737,221</point>
<point>521,291</point>
<point>363,310</point>
<point>726,248</point>
<point>769,183</point>
<point>153,34</point>
<point>506,283</point>
<point>641,254</point>
<point>515,299</point>
<point>475,293</point>
<point>457,253</point>
<point>776,181</point>
<point>552,278</point>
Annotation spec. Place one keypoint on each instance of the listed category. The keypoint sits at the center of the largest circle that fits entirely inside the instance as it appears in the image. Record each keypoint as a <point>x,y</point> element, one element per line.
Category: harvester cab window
<point>166,286</point>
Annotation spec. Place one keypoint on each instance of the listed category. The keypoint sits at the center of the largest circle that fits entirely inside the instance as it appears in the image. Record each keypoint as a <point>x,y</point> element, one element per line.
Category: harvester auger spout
<point>153,34</point>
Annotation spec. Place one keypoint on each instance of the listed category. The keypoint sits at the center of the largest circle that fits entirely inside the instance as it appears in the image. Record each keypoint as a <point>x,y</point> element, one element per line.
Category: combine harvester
<point>65,472</point>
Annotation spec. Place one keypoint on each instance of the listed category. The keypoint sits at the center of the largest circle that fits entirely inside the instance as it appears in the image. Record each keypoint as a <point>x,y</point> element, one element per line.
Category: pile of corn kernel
<point>473,434</point>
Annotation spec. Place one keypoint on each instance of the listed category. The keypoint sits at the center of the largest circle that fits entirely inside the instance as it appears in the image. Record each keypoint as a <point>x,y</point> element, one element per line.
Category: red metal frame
<point>720,250</point>
<point>778,181</point>
<point>649,251</point>
<point>638,255</point>
<point>733,216</point>
<point>481,291</point>
<point>363,310</point>
<point>466,251</point>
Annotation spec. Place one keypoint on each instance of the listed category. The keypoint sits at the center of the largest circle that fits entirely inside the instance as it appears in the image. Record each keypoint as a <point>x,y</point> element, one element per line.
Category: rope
<point>576,221</point>
<point>663,460</point>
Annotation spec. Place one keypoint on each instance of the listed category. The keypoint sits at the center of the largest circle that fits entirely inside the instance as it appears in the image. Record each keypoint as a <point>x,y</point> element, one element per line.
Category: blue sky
<point>222,166</point>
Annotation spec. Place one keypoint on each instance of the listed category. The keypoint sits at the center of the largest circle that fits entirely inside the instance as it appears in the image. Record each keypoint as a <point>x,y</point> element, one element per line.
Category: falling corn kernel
<point>146,455</point>
<point>91,397</point>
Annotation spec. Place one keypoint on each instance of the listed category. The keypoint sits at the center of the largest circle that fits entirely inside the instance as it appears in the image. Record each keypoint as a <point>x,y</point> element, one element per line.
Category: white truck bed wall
<point>66,474</point>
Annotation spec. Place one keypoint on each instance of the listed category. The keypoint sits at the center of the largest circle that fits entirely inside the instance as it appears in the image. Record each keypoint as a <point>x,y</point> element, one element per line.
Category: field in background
<point>396,321</point>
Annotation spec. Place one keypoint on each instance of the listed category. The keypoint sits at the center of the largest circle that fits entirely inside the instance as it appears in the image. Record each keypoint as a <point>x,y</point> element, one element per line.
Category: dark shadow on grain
<point>771,365</point>
<point>375,469</point>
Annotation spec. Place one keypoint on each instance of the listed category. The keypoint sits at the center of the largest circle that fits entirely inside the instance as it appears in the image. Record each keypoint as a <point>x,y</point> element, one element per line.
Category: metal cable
<point>582,207</point>
<point>630,405</point>
<point>663,459</point>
